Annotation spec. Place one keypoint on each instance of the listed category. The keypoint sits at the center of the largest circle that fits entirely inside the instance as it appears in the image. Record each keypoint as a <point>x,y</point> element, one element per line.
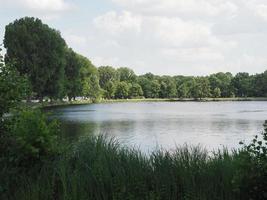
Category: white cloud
<point>39,5</point>
<point>104,61</point>
<point>114,23</point>
<point>183,7</point>
<point>194,54</point>
<point>179,33</point>
<point>155,30</point>
<point>46,5</point>
<point>74,40</point>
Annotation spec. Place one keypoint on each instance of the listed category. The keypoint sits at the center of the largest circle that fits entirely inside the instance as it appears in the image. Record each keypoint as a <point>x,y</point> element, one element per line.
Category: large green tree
<point>108,77</point>
<point>89,79</point>
<point>37,51</point>
<point>73,79</point>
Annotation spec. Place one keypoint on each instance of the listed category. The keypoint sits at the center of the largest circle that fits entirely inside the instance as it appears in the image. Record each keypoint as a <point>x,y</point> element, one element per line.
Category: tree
<point>150,87</point>
<point>126,74</point>
<point>135,90</point>
<point>89,79</point>
<point>259,84</point>
<point>110,90</point>
<point>183,90</point>
<point>122,90</point>
<point>216,92</point>
<point>107,74</point>
<point>155,89</point>
<point>38,52</point>
<point>242,84</point>
<point>73,81</point>
<point>167,87</point>
<point>200,88</point>
<point>223,82</point>
<point>92,89</point>
<point>183,85</point>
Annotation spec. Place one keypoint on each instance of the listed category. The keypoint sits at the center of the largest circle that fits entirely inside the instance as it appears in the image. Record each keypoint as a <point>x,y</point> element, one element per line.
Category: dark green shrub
<point>35,138</point>
<point>251,179</point>
<point>28,140</point>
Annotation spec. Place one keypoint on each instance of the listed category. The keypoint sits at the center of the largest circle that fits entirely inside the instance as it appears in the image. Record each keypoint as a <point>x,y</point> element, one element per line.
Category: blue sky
<point>189,37</point>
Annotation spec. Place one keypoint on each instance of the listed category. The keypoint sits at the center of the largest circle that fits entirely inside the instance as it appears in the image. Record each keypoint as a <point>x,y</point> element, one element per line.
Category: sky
<point>165,37</point>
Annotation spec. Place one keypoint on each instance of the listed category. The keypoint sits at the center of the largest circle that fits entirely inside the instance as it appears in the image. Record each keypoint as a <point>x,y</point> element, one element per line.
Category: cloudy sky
<point>189,37</point>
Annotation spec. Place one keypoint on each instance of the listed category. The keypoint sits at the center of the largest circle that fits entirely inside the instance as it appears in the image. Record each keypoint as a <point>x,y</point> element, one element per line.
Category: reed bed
<point>98,168</point>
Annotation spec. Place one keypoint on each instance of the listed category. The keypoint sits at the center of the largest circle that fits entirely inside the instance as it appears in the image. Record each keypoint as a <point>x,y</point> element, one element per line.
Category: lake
<point>152,125</point>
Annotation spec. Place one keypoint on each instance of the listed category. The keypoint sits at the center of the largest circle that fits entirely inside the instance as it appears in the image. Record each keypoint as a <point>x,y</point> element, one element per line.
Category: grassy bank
<point>186,99</point>
<point>88,101</point>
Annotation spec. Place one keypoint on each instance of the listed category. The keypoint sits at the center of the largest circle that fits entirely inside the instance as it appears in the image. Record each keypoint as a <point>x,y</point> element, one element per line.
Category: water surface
<point>150,125</point>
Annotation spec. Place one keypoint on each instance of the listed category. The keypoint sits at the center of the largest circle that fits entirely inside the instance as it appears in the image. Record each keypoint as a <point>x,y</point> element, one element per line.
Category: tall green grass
<point>98,168</point>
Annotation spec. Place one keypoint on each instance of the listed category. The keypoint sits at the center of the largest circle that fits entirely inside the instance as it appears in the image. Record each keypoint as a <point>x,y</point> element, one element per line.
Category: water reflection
<point>162,124</point>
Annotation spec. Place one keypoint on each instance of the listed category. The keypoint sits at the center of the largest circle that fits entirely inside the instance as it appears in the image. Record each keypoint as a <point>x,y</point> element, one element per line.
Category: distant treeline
<point>55,71</point>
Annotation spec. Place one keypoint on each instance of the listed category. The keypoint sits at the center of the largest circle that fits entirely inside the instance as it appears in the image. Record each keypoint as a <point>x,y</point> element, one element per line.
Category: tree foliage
<point>250,181</point>
<point>37,51</point>
<point>13,87</point>
<point>122,90</point>
<point>126,74</point>
<point>73,81</point>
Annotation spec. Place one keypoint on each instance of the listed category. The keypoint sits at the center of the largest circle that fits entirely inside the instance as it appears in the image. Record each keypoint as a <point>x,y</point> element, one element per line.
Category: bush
<point>35,137</point>
<point>27,140</point>
<point>251,179</point>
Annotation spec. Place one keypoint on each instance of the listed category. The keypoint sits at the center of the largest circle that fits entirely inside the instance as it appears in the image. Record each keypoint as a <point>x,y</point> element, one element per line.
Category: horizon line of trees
<point>55,71</point>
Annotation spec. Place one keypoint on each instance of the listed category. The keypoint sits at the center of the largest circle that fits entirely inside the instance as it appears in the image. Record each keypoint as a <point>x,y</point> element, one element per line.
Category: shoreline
<point>85,102</point>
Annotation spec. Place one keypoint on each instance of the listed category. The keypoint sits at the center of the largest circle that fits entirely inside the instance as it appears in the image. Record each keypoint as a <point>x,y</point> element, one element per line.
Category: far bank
<point>90,101</point>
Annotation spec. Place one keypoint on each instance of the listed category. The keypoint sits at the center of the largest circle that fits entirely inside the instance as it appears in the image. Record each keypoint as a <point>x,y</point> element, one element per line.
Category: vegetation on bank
<point>89,101</point>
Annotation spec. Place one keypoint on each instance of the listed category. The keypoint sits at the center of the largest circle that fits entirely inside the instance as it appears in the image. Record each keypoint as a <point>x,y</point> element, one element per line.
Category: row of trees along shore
<point>55,71</point>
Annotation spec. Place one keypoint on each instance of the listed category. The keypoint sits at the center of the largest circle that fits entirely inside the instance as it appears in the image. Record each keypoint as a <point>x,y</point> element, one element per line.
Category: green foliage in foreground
<point>13,87</point>
<point>97,168</point>
<point>27,141</point>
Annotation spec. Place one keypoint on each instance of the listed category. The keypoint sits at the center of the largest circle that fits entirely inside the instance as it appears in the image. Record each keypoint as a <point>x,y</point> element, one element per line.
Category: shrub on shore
<point>28,140</point>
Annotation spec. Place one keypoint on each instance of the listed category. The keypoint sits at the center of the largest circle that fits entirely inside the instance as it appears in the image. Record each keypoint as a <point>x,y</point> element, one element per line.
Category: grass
<point>97,168</point>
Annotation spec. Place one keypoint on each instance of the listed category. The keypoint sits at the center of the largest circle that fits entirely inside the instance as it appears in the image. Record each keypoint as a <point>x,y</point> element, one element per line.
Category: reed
<point>98,168</point>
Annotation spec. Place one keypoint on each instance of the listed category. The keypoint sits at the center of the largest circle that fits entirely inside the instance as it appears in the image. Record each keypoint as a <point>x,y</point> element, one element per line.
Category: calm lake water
<point>151,125</point>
